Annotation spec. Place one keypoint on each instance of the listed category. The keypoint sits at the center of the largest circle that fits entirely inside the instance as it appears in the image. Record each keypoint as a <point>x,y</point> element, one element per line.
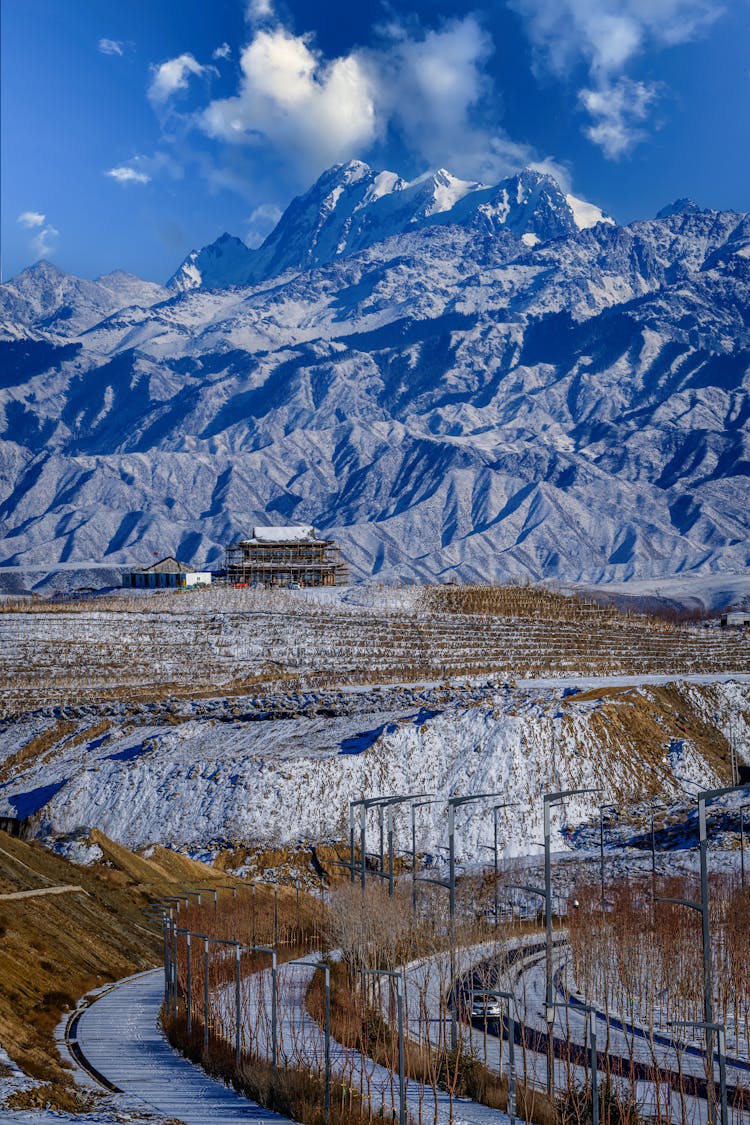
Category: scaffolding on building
<point>284,556</point>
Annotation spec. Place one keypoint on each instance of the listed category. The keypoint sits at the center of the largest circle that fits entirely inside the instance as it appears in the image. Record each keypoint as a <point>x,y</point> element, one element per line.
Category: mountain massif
<point>454,380</point>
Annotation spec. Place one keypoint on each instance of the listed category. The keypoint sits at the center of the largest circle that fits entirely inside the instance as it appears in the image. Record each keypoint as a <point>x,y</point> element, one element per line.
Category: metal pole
<point>742,844</point>
<point>276,912</point>
<point>653,855</point>
<point>174,969</point>
<point>511,1064</point>
<point>362,843</point>
<point>327,974</point>
<point>708,1003</point>
<point>414,858</point>
<point>594,1074</point>
<point>721,1036</point>
<point>322,910</point>
<point>601,851</point>
<point>274,1002</point>
<point>351,841</point>
<point>451,921</point>
<point>497,904</point>
<point>237,1004</point>
<point>166,958</point>
<point>252,891</point>
<point>382,842</point>
<point>401,1083</point>
<point>189,984</point>
<point>205,993</point>
<point>548,993</point>
<point>452,858</point>
<point>391,813</point>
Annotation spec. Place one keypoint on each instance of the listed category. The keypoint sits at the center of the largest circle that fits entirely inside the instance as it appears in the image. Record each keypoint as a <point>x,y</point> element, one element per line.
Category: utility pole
<point>722,1053</point>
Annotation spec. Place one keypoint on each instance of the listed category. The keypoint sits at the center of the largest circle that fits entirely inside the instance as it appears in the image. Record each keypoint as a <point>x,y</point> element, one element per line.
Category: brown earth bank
<point>55,947</point>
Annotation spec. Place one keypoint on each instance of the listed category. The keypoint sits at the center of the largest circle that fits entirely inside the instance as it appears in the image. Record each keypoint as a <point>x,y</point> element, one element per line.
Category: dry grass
<point>36,748</point>
<point>54,949</point>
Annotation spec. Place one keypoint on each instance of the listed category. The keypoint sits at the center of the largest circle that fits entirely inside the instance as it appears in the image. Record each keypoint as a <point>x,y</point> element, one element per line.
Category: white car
<point>485,1006</point>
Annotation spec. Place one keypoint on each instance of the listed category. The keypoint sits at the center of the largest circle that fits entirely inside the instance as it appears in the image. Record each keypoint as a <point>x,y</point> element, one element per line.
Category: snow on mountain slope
<point>45,298</point>
<point>447,400</point>
<point>227,261</point>
<point>351,207</point>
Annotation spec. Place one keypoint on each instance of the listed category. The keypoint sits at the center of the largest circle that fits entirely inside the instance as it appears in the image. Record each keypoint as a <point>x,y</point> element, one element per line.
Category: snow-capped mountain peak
<point>470,380</point>
<point>351,207</point>
<point>682,206</point>
<point>223,263</point>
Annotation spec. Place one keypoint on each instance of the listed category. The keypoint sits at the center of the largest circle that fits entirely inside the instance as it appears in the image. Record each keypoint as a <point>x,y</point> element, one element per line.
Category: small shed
<point>167,573</point>
<point>735,619</point>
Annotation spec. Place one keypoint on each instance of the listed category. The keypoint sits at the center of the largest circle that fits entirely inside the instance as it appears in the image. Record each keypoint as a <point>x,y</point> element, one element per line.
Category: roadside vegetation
<point>54,948</point>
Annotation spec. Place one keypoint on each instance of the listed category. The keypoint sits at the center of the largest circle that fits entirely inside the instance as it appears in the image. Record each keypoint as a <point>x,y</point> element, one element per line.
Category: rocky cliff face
<point>454,380</point>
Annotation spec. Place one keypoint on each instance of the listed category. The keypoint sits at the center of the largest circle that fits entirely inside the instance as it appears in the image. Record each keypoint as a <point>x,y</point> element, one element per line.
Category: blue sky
<point>133,132</point>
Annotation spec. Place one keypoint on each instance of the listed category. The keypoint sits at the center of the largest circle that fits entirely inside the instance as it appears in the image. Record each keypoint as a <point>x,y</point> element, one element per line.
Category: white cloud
<point>31,219</point>
<point>316,111</point>
<point>44,243</point>
<point>430,86</point>
<point>222,52</point>
<point>111,47</point>
<point>617,110</point>
<point>262,221</point>
<point>607,36</point>
<point>124,175</point>
<point>172,75</point>
<point>259,11</point>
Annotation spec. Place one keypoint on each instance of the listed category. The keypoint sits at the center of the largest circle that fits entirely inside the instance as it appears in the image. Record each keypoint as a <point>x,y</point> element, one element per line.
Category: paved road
<point>120,1037</point>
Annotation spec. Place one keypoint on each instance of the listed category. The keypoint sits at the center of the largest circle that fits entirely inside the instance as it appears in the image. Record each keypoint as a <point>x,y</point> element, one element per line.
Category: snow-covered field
<point>230,718</point>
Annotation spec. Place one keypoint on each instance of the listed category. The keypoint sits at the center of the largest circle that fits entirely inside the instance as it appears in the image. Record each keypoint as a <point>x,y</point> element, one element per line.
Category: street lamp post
<point>414,880</point>
<point>237,991</point>
<point>398,978</point>
<point>327,1025</point>
<point>654,807</point>
<point>189,983</point>
<point>274,999</point>
<point>702,907</point>
<point>551,799</point>
<point>206,944</point>
<point>602,810</point>
<point>495,852</point>
<point>363,804</point>
<point>387,806</point>
<point>742,844</point>
<point>722,1052</point>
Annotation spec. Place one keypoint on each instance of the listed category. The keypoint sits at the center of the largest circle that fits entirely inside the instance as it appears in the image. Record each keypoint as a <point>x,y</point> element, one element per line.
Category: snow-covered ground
<point>283,768</point>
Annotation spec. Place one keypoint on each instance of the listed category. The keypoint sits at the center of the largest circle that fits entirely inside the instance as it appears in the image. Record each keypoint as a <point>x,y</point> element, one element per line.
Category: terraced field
<point>232,641</point>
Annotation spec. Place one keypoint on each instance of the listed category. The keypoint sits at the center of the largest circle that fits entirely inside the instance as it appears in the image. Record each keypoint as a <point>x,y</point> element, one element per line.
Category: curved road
<point>120,1038</point>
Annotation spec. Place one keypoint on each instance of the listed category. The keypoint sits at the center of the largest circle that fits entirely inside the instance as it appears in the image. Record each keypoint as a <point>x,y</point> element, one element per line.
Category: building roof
<point>168,565</point>
<point>284,534</point>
